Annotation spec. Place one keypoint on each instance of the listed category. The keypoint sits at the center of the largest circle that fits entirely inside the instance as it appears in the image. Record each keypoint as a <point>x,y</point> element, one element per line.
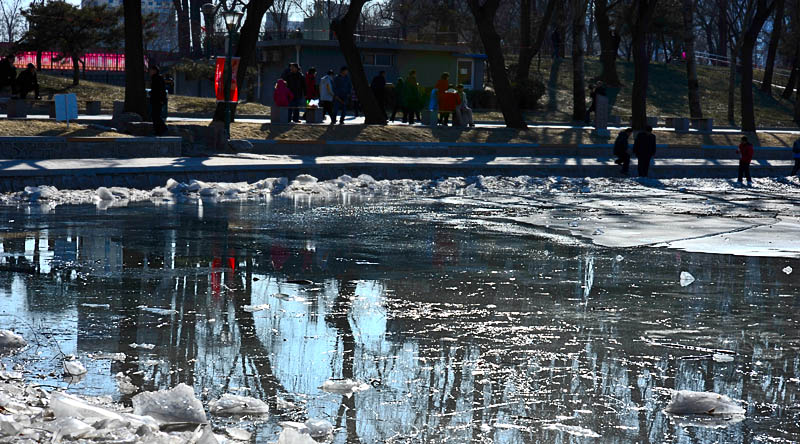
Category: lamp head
<point>232,19</point>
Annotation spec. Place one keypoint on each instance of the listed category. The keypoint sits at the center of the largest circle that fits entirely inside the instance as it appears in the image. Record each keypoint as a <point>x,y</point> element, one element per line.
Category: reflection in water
<point>464,335</point>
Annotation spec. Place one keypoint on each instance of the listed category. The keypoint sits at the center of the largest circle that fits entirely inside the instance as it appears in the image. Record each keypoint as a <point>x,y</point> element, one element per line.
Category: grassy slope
<point>667,94</point>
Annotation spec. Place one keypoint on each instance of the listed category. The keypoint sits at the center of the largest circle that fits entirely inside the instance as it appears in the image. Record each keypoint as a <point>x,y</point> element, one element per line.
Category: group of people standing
<point>21,85</point>
<point>335,94</point>
<point>295,89</point>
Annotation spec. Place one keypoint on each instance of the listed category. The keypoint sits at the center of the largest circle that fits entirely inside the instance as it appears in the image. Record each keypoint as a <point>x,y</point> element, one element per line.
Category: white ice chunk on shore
<point>787,270</point>
<point>687,402</point>
<point>255,308</point>
<point>231,405</point>
<point>65,406</point>
<point>686,279</point>
<point>319,428</point>
<point>70,428</point>
<point>143,346</point>
<point>344,387</point>
<point>177,405</point>
<point>292,436</point>
<point>73,367</point>
<point>125,384</point>
<point>104,193</point>
<point>10,340</point>
<point>722,357</point>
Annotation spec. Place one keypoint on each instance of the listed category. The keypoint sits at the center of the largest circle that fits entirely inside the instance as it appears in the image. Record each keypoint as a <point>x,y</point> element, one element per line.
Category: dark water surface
<point>466,334</point>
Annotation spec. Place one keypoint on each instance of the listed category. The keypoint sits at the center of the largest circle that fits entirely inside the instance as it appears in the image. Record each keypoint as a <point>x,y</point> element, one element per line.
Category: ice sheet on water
<point>572,430</point>
<point>233,405</point>
<point>787,270</point>
<point>255,308</point>
<point>158,310</point>
<point>344,386</point>
<point>177,405</point>
<point>722,357</point>
<point>686,279</point>
<point>10,341</point>
<point>687,402</point>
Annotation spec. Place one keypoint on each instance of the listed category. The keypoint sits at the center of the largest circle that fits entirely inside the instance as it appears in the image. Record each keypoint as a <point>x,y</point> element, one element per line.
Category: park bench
<point>280,114</point>
<point>93,107</point>
<point>315,114</point>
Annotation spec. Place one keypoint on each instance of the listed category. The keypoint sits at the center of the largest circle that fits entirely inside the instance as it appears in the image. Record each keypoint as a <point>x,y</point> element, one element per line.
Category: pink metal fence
<point>53,60</point>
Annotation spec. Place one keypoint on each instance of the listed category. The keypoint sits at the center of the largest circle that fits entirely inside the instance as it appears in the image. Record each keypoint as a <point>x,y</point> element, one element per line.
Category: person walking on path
<point>621,150</point>
<point>8,74</point>
<point>796,155</point>
<point>27,82</point>
<point>342,88</point>
<point>378,87</point>
<point>326,94</point>
<point>158,101</point>
<point>745,152</point>
<point>297,85</point>
<point>645,148</point>
<point>282,96</point>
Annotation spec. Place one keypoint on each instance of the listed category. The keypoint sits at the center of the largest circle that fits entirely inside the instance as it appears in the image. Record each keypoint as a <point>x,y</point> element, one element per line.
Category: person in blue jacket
<point>342,89</point>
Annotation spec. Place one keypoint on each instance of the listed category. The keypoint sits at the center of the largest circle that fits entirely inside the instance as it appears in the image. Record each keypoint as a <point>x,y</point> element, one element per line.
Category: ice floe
<point>234,405</point>
<point>686,402</point>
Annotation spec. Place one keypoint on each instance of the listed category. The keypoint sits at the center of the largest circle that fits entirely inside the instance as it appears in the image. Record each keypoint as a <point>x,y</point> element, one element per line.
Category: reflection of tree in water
<point>338,318</point>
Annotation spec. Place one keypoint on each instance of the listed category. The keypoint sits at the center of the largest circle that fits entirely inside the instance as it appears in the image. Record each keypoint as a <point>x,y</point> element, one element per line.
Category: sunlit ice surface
<point>466,328</point>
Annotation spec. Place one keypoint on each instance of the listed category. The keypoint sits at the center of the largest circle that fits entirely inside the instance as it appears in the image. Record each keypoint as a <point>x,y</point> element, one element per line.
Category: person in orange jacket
<point>441,87</point>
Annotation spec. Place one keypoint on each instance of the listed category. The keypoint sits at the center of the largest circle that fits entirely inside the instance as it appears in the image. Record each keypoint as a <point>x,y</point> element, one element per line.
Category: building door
<point>466,70</point>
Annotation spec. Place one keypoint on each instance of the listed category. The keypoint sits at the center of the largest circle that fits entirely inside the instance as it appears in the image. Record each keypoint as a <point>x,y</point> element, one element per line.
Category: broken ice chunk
<point>178,405</point>
<point>73,367</point>
<point>285,405</point>
<point>598,232</point>
<point>319,428</point>
<point>344,386</point>
<point>104,194</point>
<point>787,270</point>
<point>9,426</point>
<point>229,405</point>
<point>70,428</point>
<point>619,258</point>
<point>238,434</point>
<point>125,384</point>
<point>293,436</point>
<point>687,402</point>
<point>143,346</point>
<point>686,278</point>
<point>10,340</point>
<point>65,406</point>
<point>574,223</point>
<point>255,308</point>
<point>722,357</point>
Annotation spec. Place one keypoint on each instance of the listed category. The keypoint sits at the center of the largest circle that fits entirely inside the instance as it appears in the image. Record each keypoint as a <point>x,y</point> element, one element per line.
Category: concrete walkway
<point>149,172</point>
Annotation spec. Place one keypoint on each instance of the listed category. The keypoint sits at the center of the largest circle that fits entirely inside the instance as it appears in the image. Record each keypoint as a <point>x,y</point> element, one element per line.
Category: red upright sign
<point>219,79</point>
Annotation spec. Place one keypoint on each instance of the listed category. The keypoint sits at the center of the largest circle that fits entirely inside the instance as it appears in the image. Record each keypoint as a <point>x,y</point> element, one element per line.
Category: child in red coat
<point>282,96</point>
<point>745,153</point>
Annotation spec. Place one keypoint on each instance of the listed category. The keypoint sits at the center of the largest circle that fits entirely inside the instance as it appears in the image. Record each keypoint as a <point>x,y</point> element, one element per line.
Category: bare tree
<point>134,54</point>
<point>529,50</point>
<point>695,110</point>
<point>12,21</point>
<point>609,37</point>
<point>578,84</point>
<point>758,13</point>
<point>641,17</point>
<point>774,40</point>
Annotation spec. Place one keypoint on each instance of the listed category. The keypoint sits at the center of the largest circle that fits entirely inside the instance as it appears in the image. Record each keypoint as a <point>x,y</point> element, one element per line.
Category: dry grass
<point>107,94</point>
<point>20,128</point>
<point>369,133</point>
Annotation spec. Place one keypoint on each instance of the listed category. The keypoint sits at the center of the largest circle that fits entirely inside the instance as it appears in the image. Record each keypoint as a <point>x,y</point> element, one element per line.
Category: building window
<point>377,59</point>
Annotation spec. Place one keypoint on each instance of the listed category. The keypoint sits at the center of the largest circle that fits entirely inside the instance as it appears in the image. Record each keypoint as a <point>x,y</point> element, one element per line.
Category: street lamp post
<point>232,20</point>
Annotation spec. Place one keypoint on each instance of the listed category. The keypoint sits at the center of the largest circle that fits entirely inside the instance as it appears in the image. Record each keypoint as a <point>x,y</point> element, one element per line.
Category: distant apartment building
<point>162,30</point>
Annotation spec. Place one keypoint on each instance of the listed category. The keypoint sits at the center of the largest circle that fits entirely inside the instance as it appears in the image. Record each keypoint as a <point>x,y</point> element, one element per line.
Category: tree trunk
<point>722,36</point>
<point>196,32</point>
<point>76,71</point>
<point>797,104</point>
<point>609,43</point>
<point>749,37</point>
<point>774,40</point>
<point>39,60</point>
<point>245,49</point>
<point>732,87</point>
<point>528,50</point>
<point>578,83</point>
<point>641,60</point>
<point>793,76</point>
<point>695,110</point>
<point>589,33</point>
<point>184,32</point>
<point>345,27</point>
<point>134,58</point>
<point>484,19</point>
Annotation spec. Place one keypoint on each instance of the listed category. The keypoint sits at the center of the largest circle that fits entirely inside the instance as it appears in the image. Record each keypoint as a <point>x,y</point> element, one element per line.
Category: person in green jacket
<point>398,98</point>
<point>412,100</point>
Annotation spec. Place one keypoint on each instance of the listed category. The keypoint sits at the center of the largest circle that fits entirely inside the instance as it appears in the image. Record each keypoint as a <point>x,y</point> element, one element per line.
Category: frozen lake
<point>468,324</point>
